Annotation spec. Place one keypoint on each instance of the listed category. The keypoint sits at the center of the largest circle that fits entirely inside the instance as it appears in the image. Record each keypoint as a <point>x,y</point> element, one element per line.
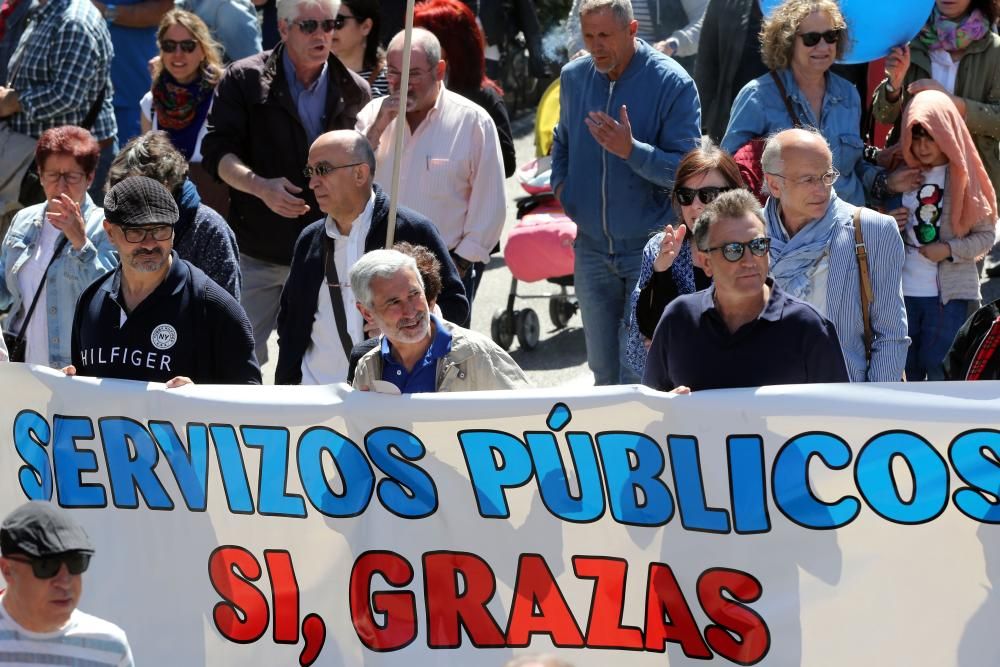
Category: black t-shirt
<point>187,326</point>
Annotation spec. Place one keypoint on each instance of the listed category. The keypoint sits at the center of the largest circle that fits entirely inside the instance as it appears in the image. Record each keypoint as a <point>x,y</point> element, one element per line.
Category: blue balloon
<point>875,26</point>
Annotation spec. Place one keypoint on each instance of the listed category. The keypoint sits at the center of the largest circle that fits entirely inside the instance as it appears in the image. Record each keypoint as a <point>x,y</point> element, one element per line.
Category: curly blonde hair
<point>211,66</point>
<point>778,33</point>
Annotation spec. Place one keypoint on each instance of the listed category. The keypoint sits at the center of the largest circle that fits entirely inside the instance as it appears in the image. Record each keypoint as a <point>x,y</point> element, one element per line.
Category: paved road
<point>560,357</point>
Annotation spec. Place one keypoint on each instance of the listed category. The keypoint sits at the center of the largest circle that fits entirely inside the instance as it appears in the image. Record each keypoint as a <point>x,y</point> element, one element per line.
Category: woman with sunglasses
<point>799,43</point>
<point>184,80</point>
<point>957,53</point>
<point>668,263</point>
<point>53,250</point>
<point>356,42</point>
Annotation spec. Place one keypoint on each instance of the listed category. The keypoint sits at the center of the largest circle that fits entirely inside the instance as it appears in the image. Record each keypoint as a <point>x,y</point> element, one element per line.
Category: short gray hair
<point>151,155</point>
<point>546,659</point>
<point>771,161</point>
<point>423,39</point>
<point>289,9</point>
<point>730,205</point>
<point>622,9</point>
<point>379,264</point>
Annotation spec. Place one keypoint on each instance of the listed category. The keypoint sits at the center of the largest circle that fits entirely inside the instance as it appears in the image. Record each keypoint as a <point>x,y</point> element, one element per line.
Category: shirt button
<point>52,310</point>
<point>399,372</point>
<point>55,339</point>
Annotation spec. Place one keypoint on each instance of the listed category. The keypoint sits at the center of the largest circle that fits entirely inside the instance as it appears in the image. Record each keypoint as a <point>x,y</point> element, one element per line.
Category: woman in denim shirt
<point>68,221</point>
<point>799,43</point>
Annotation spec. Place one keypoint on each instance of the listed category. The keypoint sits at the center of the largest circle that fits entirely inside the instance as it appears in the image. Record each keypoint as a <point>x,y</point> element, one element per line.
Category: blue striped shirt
<point>85,641</point>
<point>843,292</point>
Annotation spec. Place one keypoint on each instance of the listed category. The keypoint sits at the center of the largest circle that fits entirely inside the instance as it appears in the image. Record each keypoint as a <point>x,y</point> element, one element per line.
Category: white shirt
<point>920,274</point>
<point>944,69</point>
<point>817,284</point>
<point>451,172</point>
<point>29,277</point>
<point>324,361</point>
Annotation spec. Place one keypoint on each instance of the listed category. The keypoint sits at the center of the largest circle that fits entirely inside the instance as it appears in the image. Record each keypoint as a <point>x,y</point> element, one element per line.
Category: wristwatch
<point>889,88</point>
<point>110,12</point>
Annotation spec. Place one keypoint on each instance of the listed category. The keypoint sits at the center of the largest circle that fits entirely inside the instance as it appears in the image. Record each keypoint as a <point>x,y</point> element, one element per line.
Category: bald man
<point>318,323</point>
<point>451,167</point>
<point>814,257</point>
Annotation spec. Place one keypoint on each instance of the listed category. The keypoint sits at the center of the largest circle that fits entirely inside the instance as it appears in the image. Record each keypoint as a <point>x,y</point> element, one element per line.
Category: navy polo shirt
<point>187,326</point>
<point>423,377</point>
<point>788,343</point>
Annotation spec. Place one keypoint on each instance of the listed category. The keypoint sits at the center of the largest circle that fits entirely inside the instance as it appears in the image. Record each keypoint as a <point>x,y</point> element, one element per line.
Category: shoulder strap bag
<point>16,345</point>
<point>866,282</point>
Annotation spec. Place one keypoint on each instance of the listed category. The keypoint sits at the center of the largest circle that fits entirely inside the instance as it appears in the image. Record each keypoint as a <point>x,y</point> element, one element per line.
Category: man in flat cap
<point>43,555</point>
<point>157,318</point>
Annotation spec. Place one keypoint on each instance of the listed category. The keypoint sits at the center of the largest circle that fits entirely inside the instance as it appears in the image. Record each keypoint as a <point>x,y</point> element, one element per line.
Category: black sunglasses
<point>812,38</point>
<point>170,45</point>
<point>308,26</point>
<point>706,195</point>
<point>733,252</point>
<point>338,23</point>
<point>76,562</point>
<point>325,168</point>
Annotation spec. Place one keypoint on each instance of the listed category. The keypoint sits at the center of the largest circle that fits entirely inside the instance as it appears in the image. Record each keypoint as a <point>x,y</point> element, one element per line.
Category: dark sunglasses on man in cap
<point>76,562</point>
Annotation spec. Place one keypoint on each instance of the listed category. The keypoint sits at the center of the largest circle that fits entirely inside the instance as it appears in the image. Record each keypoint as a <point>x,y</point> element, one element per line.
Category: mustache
<point>143,251</point>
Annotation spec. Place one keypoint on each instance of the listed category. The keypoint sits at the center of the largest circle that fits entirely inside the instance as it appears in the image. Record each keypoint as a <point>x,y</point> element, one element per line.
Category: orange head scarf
<point>969,188</point>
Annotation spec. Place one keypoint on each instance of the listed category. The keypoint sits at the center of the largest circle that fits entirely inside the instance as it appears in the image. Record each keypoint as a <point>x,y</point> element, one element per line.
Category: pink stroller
<point>540,247</point>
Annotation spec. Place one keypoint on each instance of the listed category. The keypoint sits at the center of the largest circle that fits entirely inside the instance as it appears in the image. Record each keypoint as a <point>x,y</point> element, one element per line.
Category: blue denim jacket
<point>69,276</point>
<point>759,111</point>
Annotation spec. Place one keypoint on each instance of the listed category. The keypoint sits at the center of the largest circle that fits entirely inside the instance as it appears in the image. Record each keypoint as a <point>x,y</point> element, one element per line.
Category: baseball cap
<point>39,529</point>
<point>138,201</point>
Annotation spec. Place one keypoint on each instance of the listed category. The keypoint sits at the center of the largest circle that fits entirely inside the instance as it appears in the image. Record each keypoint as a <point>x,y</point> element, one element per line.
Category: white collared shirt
<point>451,171</point>
<point>324,361</point>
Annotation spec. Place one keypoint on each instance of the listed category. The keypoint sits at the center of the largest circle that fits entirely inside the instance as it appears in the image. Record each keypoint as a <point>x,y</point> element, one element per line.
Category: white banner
<point>812,525</point>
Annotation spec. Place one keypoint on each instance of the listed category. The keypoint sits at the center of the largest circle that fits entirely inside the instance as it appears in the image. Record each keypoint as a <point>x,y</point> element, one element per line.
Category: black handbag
<point>16,344</point>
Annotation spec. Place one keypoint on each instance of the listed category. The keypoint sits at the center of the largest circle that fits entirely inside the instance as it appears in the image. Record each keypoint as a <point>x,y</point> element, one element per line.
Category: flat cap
<point>138,201</point>
<point>41,529</point>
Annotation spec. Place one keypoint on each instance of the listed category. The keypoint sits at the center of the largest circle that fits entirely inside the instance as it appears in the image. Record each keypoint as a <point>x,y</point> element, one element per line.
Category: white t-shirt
<point>324,361</point>
<point>920,275</point>
<point>84,640</point>
<point>146,104</point>
<point>29,277</point>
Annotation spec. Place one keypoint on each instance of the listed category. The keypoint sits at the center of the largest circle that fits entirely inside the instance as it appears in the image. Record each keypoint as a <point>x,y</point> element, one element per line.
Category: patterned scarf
<point>181,109</point>
<point>683,270</point>
<point>941,33</point>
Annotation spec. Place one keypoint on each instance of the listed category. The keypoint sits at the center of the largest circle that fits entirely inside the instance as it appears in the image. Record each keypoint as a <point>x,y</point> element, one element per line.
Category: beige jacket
<point>475,363</point>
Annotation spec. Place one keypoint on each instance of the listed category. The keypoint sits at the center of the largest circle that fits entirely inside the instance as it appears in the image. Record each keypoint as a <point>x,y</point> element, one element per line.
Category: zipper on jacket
<point>604,179</point>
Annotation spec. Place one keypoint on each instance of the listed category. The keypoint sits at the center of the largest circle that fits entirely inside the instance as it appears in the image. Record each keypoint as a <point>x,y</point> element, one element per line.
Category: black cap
<point>138,201</point>
<point>40,529</point>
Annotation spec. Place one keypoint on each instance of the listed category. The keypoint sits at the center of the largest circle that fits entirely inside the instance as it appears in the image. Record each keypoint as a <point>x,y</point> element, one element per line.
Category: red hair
<point>68,140</point>
<point>462,42</point>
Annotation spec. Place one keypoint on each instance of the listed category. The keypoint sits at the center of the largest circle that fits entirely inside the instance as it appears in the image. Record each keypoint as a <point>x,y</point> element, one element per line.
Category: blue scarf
<point>794,260</point>
<point>187,203</point>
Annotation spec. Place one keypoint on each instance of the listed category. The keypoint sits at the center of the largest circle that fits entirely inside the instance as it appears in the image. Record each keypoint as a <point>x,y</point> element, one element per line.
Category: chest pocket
<point>447,176</point>
<point>847,150</point>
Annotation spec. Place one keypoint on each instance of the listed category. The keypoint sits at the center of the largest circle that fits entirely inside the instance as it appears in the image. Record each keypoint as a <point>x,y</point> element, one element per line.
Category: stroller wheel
<point>527,329</point>
<point>561,310</point>
<point>502,328</point>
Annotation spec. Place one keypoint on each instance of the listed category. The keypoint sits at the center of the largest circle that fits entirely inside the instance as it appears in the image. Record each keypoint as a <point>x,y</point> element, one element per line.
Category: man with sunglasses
<point>43,555</point>
<point>815,254</point>
<point>744,331</point>
<point>157,317</point>
<point>268,109</point>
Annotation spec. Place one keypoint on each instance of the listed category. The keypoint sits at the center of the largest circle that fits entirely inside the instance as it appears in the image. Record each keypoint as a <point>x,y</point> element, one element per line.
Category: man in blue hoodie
<point>628,113</point>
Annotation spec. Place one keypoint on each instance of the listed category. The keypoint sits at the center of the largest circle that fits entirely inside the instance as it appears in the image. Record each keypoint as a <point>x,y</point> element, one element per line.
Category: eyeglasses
<point>308,26</point>
<point>139,234</point>
<point>325,168</point>
<point>170,45</point>
<point>71,177</point>
<point>705,195</point>
<point>395,74</point>
<point>76,562</point>
<point>811,39</point>
<point>827,179</point>
<point>733,252</point>
<point>338,23</point>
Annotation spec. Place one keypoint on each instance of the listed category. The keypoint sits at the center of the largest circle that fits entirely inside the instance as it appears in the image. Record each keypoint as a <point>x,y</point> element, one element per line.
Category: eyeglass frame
<point>324,168</point>
<point>41,568</point>
<point>340,20</point>
<point>71,177</point>
<point>328,25</point>
<point>811,180</point>
<point>700,193</point>
<point>743,248</point>
<point>147,232</point>
<point>415,72</point>
<point>831,36</point>
<point>185,45</point>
